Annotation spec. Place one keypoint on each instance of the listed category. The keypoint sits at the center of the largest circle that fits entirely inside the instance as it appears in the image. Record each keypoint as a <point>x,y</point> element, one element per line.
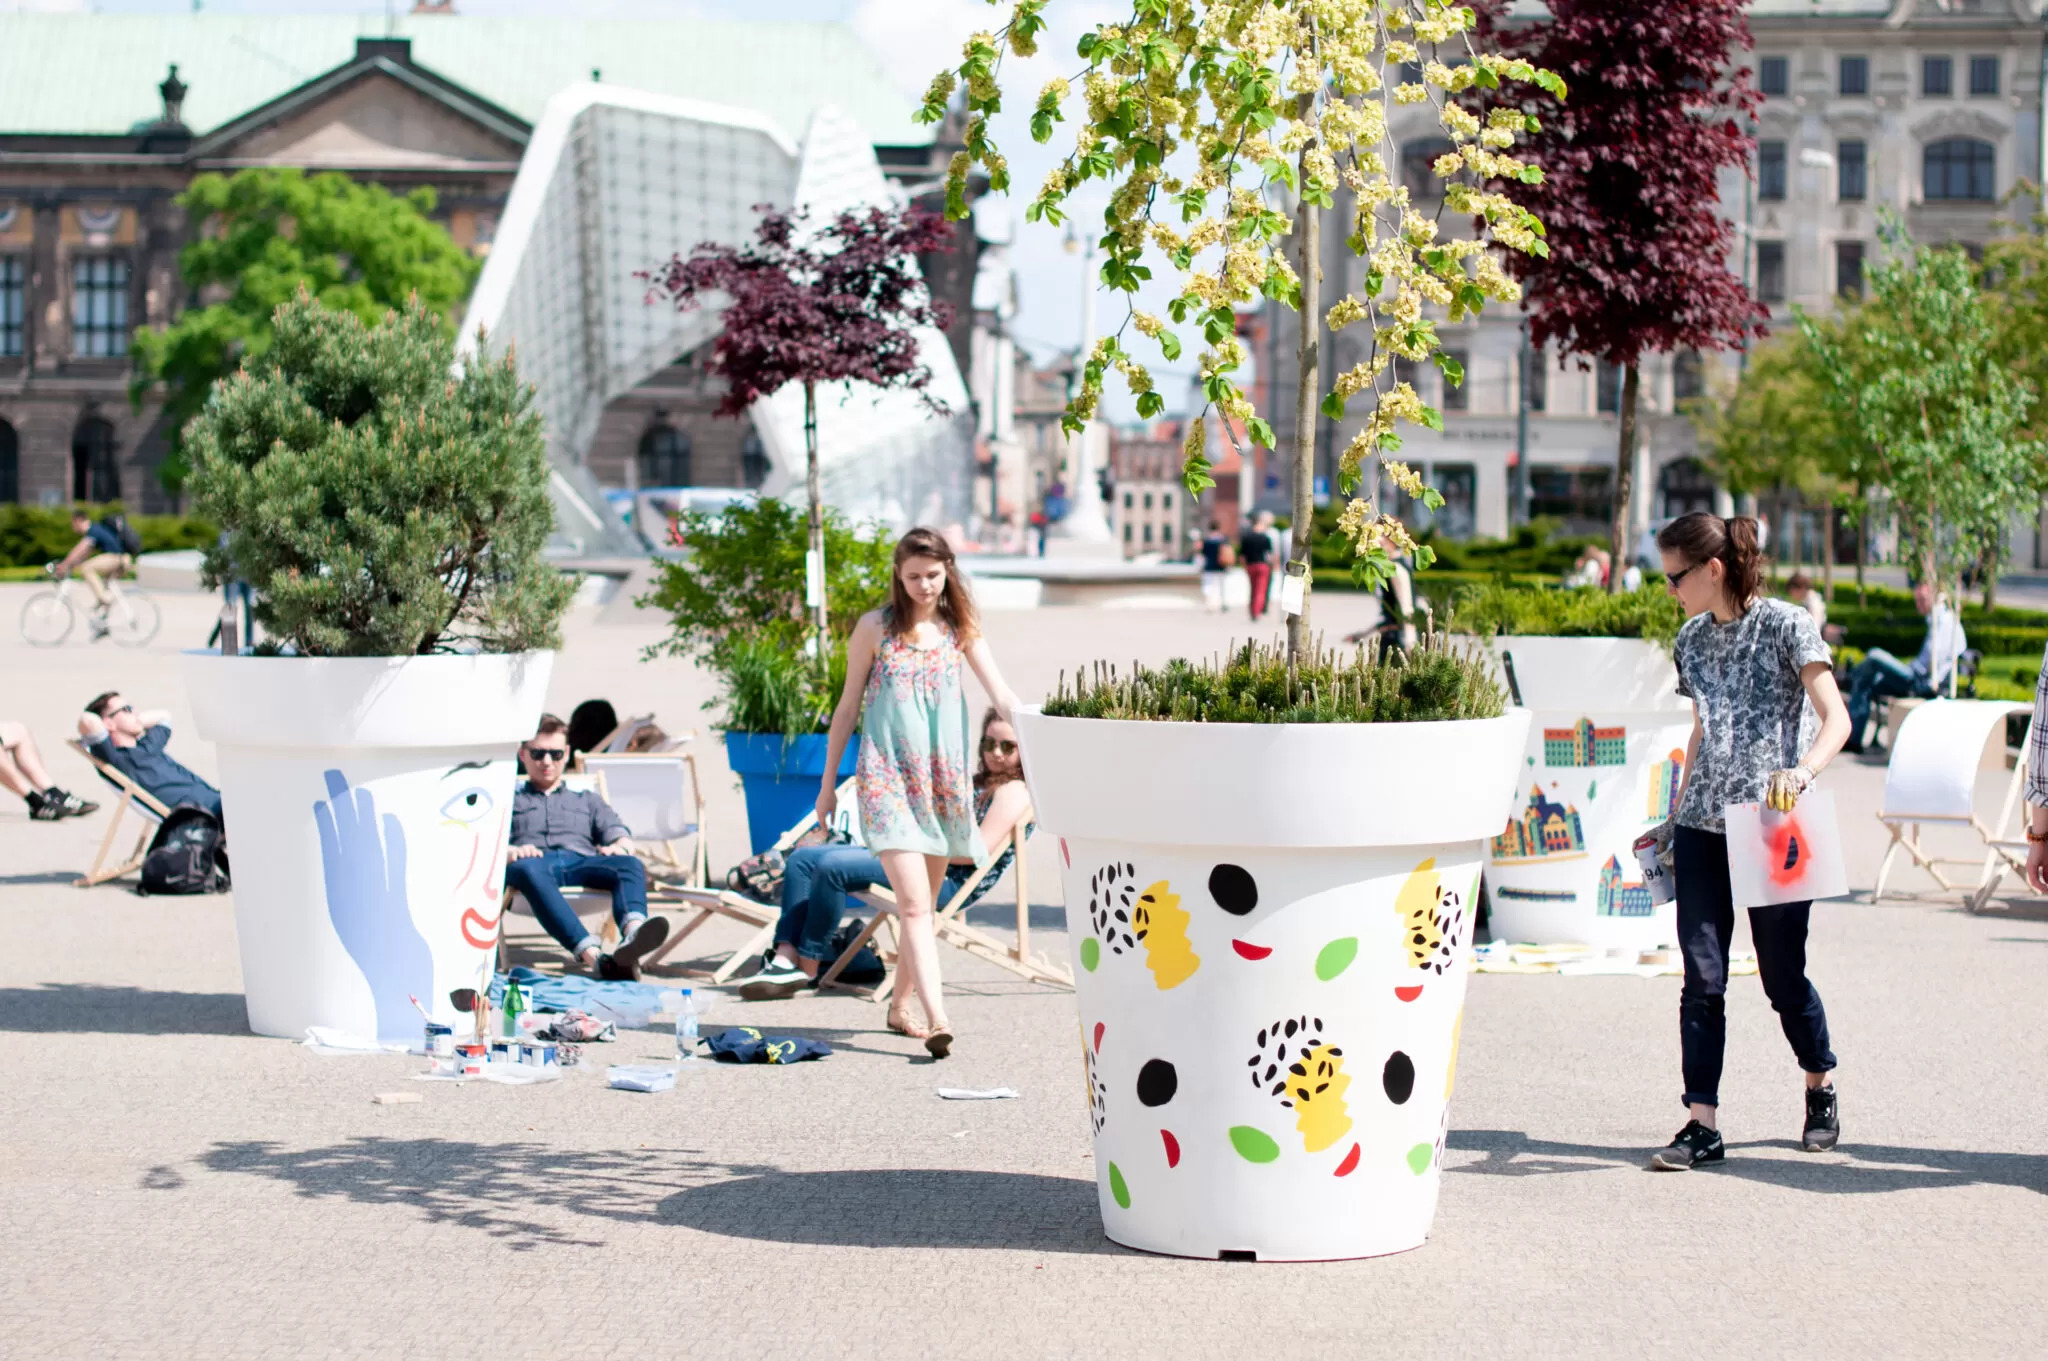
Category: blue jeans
<point>541,879</point>
<point>1879,673</point>
<point>815,882</point>
<point>1706,921</point>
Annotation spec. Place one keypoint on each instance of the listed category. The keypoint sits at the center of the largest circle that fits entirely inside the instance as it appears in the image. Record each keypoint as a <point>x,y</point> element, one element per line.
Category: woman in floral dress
<point>916,792</point>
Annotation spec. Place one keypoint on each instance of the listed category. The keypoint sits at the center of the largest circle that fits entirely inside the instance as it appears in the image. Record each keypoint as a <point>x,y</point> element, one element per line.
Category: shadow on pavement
<point>1858,1169</point>
<point>97,1009</point>
<point>46,877</point>
<point>504,1189</point>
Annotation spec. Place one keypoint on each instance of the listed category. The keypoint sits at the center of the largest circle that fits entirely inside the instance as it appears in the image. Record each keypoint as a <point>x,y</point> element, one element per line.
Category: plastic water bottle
<point>686,1028</point>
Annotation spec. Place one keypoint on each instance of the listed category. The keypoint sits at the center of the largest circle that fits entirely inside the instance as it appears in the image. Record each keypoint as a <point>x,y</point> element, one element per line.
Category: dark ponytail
<point>1703,536</point>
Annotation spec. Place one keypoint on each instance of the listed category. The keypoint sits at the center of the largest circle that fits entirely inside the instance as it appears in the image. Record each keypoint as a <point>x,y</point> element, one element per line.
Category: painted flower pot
<point>780,779</point>
<point>1270,989</point>
<point>1602,766</point>
<point>367,801</point>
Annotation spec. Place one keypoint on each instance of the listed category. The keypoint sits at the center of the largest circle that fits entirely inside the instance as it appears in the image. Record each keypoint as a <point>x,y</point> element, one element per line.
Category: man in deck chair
<point>1882,674</point>
<point>567,838</point>
<point>22,771</point>
<point>133,743</point>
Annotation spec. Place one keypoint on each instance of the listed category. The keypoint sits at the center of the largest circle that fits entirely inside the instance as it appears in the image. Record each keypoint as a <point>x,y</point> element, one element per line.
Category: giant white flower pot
<point>367,801</point>
<point>1270,928</point>
<point>1604,758</point>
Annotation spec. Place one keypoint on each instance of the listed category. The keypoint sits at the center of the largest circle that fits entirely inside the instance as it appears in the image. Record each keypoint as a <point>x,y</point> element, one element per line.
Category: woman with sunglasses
<point>1767,718</point>
<point>916,800</point>
<point>816,879</point>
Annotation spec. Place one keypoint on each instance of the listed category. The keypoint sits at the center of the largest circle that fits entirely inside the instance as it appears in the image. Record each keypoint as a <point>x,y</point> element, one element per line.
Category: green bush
<point>1535,548</point>
<point>1585,612</point>
<point>735,603</point>
<point>1254,684</point>
<point>33,535</point>
<point>380,506</point>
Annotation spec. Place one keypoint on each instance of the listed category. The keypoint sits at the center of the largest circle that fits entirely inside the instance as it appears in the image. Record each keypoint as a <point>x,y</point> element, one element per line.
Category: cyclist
<point>106,547</point>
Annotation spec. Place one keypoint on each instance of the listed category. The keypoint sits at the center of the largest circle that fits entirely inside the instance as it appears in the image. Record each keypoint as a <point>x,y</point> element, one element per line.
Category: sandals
<point>900,1022</point>
<point>939,1043</point>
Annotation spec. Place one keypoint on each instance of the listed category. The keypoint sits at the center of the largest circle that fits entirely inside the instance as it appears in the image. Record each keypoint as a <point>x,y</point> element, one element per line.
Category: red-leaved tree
<point>842,303</point>
<point>1639,250</point>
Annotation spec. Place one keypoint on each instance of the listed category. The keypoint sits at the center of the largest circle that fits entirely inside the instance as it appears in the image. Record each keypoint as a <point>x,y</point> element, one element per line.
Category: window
<point>1148,531</point>
<point>1983,75</point>
<point>1683,486</point>
<point>1774,76</point>
<point>13,304</point>
<point>1537,376</point>
<point>95,470</point>
<point>1770,271</point>
<point>1770,171</point>
<point>1937,77</point>
<point>1127,531</point>
<point>1959,168</point>
<point>1166,532</point>
<point>1607,387</point>
<point>664,459</point>
<point>753,461</point>
<point>1852,182</point>
<point>1853,76</point>
<point>1688,376</point>
<point>10,465</point>
<point>1458,396</point>
<point>1582,497</point>
<point>1458,483</point>
<point>99,306</point>
<point>1148,500</point>
<point>1417,173</point>
<point>1849,268</point>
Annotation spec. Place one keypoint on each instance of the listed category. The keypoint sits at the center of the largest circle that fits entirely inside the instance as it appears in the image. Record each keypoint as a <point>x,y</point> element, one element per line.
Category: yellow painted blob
<point>1451,1073</point>
<point>1316,1084</point>
<point>1416,907</point>
<point>1161,926</point>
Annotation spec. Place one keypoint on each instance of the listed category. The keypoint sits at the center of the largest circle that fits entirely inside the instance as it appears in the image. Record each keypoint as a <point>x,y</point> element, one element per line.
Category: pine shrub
<point>382,502</point>
<point>1582,612</point>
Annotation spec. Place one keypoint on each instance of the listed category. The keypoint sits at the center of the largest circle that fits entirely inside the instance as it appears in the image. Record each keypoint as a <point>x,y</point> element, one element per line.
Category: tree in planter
<point>842,303</point>
<point>1189,110</point>
<point>1639,248</point>
<point>379,506</point>
<point>267,233</point>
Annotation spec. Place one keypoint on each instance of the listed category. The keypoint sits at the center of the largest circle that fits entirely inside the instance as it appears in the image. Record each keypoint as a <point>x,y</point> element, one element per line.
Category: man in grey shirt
<point>567,838</point>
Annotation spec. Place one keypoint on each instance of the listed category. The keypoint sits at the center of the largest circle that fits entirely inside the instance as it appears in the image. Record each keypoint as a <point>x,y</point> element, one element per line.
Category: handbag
<point>760,876</point>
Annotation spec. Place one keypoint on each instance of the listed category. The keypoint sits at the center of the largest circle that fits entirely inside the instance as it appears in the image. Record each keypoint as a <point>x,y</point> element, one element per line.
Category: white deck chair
<point>2005,855</point>
<point>1932,778</point>
<point>658,796</point>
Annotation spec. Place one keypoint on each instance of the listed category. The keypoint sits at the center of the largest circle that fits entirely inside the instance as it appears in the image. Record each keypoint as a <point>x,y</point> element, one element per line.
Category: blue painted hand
<point>366,900</point>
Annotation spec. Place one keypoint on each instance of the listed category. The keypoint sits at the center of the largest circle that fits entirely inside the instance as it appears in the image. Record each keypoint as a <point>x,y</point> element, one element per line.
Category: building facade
<point>1150,512</point>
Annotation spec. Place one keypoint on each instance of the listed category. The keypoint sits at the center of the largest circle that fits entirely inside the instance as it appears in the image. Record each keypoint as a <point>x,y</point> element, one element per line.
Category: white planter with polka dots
<point>1604,756</point>
<point>1271,930</point>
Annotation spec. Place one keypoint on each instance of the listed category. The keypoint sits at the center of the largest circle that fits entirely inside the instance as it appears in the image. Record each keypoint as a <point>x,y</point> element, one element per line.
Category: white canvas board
<point>1786,857</point>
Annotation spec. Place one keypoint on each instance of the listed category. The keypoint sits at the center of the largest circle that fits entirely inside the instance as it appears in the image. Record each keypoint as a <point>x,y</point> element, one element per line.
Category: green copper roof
<point>98,73</point>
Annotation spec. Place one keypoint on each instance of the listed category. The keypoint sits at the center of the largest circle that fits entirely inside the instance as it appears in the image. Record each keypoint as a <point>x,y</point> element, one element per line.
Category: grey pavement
<point>173,1186</point>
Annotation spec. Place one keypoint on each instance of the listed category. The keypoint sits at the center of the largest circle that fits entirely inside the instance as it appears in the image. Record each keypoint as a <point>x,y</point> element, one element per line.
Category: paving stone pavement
<point>173,1186</point>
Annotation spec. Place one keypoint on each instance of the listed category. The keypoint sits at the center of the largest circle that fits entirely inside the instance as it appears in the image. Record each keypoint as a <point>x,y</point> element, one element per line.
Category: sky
<point>913,39</point>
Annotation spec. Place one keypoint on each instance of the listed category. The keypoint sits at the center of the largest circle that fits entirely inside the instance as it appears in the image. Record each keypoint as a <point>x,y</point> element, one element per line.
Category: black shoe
<point>624,962</point>
<point>1823,1121</point>
<point>774,983</point>
<point>54,803</point>
<point>1695,1144</point>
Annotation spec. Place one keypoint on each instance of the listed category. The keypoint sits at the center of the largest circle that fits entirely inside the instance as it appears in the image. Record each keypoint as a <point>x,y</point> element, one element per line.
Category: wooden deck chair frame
<point>2003,855</point>
<point>948,926</point>
<point>1905,836</point>
<point>133,796</point>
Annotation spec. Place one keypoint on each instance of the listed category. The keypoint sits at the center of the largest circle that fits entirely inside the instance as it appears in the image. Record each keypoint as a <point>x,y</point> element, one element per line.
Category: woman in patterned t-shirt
<point>1767,718</point>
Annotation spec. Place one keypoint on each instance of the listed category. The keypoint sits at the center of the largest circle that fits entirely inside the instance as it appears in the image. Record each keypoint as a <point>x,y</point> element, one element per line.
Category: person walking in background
<point>22,772</point>
<point>1255,550</point>
<point>1215,551</point>
<point>1880,673</point>
<point>1758,674</point>
<point>916,801</point>
<point>1799,590</point>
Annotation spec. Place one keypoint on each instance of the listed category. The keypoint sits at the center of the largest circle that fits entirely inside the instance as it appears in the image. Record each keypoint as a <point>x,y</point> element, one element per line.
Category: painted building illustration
<point>1548,830</point>
<point>1664,785</point>
<point>1616,899</point>
<point>1582,744</point>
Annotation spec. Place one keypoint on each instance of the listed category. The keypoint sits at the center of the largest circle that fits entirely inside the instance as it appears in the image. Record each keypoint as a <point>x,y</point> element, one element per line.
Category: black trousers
<point>1706,920</point>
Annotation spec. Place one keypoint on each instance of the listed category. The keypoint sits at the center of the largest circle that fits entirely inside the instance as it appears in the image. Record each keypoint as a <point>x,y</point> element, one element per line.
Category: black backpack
<point>187,855</point>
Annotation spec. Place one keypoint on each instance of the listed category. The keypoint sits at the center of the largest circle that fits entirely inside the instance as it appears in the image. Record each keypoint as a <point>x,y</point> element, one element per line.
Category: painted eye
<point>468,806</point>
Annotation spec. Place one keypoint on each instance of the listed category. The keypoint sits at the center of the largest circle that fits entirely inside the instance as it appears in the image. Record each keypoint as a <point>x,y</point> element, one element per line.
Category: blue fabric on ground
<point>576,992</point>
<point>744,1044</point>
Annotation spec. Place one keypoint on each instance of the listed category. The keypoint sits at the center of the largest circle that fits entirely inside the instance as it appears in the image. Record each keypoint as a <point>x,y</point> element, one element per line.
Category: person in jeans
<point>22,772</point>
<point>816,879</point>
<point>133,743</point>
<point>1767,719</point>
<point>1880,673</point>
<point>1255,550</point>
<point>1215,551</point>
<point>566,838</point>
<point>101,552</point>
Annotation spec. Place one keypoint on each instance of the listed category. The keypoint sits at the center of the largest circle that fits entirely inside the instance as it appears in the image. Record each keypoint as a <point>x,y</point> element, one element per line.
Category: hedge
<point>33,535</point>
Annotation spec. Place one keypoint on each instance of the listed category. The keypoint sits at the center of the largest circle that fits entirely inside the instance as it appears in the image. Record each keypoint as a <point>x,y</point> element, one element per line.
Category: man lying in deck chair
<point>22,771</point>
<point>816,879</point>
<point>133,743</point>
<point>567,838</point>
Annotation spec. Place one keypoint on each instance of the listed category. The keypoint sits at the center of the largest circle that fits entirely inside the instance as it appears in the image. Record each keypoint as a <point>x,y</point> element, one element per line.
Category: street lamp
<point>1084,523</point>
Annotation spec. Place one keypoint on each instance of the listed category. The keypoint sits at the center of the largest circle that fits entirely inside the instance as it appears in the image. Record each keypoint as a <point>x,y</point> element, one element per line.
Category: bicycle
<point>50,615</point>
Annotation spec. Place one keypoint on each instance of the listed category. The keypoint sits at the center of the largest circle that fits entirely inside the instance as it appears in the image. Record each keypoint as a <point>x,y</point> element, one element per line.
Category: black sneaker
<point>1695,1144</point>
<point>779,980</point>
<point>1823,1121</point>
<point>54,803</point>
<point>624,962</point>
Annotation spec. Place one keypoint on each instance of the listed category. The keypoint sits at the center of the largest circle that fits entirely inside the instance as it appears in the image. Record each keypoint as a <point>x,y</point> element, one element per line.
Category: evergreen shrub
<point>1584,612</point>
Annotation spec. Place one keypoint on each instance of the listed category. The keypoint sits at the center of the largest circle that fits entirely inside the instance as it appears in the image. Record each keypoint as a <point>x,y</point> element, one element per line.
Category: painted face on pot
<point>469,839</point>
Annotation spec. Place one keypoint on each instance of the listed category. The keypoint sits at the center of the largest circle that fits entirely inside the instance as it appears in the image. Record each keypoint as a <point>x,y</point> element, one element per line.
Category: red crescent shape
<point>1098,1037</point>
<point>1250,951</point>
<point>1345,1168</point>
<point>1172,1148</point>
<point>475,924</point>
<point>1409,994</point>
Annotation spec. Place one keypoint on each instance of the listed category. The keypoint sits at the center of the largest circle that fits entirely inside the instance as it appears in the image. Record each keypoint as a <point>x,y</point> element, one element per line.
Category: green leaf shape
<point>1091,954</point>
<point>1254,1145</point>
<point>1336,957</point>
<point>1419,1158</point>
<point>1118,1191</point>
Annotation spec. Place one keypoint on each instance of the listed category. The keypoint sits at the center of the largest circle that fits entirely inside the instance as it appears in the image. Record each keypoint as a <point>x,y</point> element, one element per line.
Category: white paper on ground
<point>969,1094</point>
<point>322,1039</point>
<point>640,1077</point>
<point>1785,857</point>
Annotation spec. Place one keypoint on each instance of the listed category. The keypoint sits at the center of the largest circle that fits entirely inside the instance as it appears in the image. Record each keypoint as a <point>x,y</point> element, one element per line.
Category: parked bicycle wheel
<point>133,619</point>
<point>46,619</point>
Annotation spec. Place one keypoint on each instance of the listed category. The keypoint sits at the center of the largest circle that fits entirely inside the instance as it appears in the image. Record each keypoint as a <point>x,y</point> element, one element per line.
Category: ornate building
<point>1582,744</point>
<point>1547,829</point>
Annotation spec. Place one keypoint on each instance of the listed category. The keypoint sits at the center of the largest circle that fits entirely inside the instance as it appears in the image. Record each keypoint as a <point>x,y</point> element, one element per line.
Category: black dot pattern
<point>1234,889</point>
<point>1282,1048</point>
<point>1398,1078</point>
<point>1111,892</point>
<point>1157,1082</point>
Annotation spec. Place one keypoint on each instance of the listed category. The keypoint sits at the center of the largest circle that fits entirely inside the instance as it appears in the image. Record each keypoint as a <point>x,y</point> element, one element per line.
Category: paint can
<point>470,1059</point>
<point>504,1049</point>
<point>445,1065</point>
<point>1656,877</point>
<point>440,1040</point>
<point>538,1054</point>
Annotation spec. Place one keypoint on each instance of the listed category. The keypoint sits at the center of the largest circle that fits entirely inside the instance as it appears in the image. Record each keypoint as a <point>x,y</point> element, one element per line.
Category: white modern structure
<point>613,182</point>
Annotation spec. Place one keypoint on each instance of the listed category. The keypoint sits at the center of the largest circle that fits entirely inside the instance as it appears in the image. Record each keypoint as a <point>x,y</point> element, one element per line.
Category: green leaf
<point>1118,1190</point>
<point>1432,418</point>
<point>1260,431</point>
<point>1150,404</point>
<point>1169,345</point>
<point>1333,406</point>
<point>1453,371</point>
<point>1336,957</point>
<point>1254,1145</point>
<point>1425,557</point>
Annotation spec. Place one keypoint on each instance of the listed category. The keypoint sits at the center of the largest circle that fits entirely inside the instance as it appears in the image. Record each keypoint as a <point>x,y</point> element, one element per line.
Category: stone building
<point>105,119</point>
<point>1150,512</point>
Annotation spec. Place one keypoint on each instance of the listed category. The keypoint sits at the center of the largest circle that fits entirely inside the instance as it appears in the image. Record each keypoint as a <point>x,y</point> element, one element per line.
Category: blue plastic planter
<point>780,779</point>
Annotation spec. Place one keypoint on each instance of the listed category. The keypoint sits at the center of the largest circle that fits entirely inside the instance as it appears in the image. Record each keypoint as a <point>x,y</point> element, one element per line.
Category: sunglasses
<point>997,745</point>
<point>548,753</point>
<point>124,709</point>
<point>1675,577</point>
